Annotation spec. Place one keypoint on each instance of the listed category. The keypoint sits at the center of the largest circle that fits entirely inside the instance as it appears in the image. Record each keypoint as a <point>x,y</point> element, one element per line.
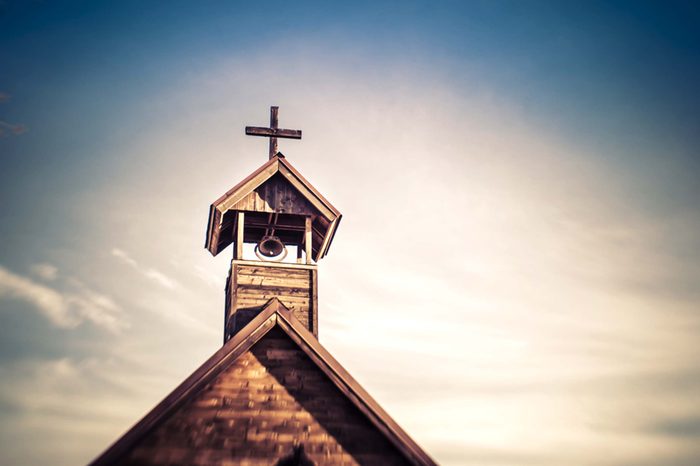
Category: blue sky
<point>555,144</point>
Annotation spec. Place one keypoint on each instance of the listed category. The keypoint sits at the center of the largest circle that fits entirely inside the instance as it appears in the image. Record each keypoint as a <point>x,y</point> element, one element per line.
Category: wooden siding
<point>254,412</point>
<point>251,286</point>
<point>276,195</point>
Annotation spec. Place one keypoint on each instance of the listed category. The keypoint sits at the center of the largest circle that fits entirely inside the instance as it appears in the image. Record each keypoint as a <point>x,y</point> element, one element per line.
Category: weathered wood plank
<point>272,267</point>
<point>257,300</point>
<point>277,265</point>
<point>270,282</point>
<point>289,277</point>
<point>278,276</point>
<point>274,290</point>
<point>263,298</point>
<point>278,272</point>
<point>273,132</point>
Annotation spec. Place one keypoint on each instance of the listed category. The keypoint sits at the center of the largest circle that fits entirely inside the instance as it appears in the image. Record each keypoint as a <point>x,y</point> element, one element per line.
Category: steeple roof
<point>249,195</point>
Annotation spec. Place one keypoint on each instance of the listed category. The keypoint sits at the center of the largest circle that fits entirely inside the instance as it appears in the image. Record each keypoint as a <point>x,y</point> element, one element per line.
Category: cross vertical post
<point>273,125</point>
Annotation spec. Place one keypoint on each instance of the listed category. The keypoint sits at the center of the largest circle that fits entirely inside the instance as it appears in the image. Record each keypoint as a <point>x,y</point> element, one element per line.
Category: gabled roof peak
<point>273,315</point>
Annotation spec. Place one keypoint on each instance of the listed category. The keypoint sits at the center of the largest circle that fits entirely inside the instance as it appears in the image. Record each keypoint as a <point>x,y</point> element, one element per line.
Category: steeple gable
<point>274,188</point>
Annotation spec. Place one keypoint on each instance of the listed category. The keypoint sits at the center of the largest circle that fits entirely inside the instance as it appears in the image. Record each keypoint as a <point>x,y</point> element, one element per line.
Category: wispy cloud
<point>11,128</point>
<point>45,271</point>
<point>62,408</point>
<point>148,272</point>
<point>124,257</point>
<point>160,278</point>
<point>63,309</point>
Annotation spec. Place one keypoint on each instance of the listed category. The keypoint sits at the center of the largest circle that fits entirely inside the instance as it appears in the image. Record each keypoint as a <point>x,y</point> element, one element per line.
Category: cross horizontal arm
<point>273,132</point>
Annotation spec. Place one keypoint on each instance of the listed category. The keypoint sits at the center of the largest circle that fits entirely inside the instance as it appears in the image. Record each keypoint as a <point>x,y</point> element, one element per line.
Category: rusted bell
<point>270,246</point>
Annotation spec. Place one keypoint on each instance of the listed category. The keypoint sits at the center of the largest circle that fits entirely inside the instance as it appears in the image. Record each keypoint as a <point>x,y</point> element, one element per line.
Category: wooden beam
<point>325,244</point>
<point>277,226</point>
<point>273,132</point>
<point>213,230</point>
<point>284,265</point>
<point>240,224</point>
<point>307,240</point>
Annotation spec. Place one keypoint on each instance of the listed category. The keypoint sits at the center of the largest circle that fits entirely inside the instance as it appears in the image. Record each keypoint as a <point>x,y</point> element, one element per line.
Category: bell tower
<point>269,214</point>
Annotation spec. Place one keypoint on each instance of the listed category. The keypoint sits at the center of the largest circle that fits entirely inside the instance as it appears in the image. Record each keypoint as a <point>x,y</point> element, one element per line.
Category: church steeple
<point>271,394</point>
<point>274,210</point>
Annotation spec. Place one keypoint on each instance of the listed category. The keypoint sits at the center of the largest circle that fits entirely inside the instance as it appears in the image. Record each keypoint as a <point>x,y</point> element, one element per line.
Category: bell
<point>271,246</point>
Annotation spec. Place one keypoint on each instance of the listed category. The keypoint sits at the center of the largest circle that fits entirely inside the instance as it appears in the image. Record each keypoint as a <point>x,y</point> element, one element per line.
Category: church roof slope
<point>221,221</point>
<point>256,342</point>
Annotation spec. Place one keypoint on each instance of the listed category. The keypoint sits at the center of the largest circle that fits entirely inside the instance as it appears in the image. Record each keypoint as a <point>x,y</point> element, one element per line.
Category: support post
<point>240,222</point>
<point>308,240</point>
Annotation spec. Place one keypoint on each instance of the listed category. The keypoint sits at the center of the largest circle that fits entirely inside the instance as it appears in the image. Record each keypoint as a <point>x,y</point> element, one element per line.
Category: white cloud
<point>148,272</point>
<point>49,302</point>
<point>63,309</point>
<point>124,257</point>
<point>160,278</point>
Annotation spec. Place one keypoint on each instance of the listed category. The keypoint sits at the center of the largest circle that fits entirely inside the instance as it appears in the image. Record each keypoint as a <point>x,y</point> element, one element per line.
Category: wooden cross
<point>273,132</point>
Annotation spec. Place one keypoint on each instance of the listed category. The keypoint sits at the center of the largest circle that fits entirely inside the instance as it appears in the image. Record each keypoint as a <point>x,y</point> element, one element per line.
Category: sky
<point>516,278</point>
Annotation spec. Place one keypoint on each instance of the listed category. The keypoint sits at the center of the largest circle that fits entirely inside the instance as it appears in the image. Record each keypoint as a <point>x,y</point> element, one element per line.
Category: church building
<point>272,395</point>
